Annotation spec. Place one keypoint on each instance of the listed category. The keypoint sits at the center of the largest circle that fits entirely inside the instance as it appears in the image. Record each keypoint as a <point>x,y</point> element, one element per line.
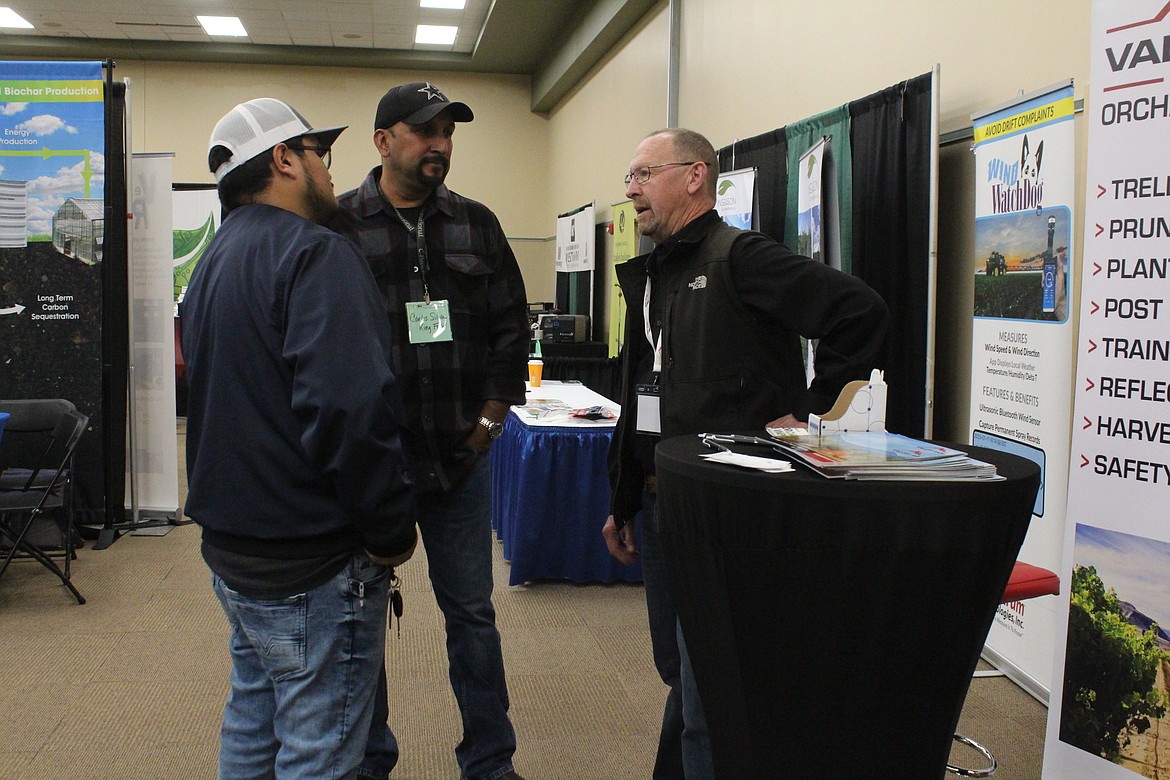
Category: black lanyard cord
<point>421,239</point>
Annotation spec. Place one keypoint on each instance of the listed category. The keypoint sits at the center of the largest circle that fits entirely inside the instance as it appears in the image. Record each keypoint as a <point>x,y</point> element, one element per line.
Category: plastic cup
<point>535,369</point>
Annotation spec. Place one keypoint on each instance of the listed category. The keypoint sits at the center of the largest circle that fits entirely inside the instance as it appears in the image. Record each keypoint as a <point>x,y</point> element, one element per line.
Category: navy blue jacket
<point>294,445</point>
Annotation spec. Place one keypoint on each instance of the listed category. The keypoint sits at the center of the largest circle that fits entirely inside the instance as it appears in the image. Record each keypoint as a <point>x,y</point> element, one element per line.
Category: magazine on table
<point>543,409</point>
<point>881,455</point>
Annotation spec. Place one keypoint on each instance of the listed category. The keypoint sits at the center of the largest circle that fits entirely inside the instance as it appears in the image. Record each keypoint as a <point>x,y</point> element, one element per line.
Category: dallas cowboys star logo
<point>433,93</point>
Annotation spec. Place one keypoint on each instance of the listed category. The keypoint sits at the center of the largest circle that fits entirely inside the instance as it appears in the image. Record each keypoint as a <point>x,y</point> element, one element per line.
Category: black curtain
<point>891,139</point>
<point>115,305</point>
<point>600,374</point>
<point>768,154</point>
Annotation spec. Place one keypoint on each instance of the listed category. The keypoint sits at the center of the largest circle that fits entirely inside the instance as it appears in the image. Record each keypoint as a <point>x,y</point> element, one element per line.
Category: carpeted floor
<point>130,686</point>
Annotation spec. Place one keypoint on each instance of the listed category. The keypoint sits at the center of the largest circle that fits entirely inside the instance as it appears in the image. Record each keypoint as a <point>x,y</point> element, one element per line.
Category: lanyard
<point>421,240</point>
<point>657,347</point>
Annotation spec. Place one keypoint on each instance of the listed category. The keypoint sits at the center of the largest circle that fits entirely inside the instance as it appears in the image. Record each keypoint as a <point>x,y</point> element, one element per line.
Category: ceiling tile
<point>383,24</point>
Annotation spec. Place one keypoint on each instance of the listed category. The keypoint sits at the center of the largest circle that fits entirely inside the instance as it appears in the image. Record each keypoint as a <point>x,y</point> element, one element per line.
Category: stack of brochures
<point>880,455</point>
<point>543,409</point>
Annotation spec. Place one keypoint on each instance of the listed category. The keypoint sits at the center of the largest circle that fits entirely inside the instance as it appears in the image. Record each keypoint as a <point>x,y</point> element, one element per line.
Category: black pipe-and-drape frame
<point>891,140</point>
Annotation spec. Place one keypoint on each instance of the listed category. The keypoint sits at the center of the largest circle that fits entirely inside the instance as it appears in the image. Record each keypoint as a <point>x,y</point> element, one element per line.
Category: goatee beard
<point>431,181</point>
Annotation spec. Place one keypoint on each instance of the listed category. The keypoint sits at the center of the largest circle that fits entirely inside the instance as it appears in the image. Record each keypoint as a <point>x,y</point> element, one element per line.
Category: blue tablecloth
<point>550,498</point>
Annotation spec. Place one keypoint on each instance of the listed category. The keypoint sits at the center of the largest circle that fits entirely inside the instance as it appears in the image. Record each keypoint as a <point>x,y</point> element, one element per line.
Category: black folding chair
<point>27,493</point>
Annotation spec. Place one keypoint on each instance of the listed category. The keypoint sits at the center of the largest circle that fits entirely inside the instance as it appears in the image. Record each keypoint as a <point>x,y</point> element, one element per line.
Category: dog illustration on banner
<point>1017,186</point>
<point>1030,163</point>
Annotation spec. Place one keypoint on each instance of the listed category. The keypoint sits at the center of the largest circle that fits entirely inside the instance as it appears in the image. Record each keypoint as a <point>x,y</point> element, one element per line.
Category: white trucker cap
<point>256,126</point>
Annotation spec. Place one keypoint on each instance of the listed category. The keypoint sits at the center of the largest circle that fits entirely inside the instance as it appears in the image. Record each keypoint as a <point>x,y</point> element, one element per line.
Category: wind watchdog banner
<point>1021,357</point>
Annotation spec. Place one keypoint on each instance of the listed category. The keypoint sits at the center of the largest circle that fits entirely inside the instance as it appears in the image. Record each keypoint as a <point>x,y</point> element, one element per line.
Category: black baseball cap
<point>415,104</point>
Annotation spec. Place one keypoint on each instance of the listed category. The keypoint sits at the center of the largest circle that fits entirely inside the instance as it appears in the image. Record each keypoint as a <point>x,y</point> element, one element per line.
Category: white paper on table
<point>770,465</point>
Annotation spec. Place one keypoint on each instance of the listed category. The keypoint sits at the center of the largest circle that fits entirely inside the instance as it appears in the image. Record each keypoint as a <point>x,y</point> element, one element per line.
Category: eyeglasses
<point>642,175</point>
<point>324,152</point>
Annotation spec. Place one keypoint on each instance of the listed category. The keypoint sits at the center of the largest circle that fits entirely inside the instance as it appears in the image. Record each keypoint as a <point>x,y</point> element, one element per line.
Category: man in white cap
<point>458,311</point>
<point>295,463</point>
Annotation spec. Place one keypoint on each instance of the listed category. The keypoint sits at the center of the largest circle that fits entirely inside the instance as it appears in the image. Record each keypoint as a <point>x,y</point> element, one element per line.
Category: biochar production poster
<point>52,230</point>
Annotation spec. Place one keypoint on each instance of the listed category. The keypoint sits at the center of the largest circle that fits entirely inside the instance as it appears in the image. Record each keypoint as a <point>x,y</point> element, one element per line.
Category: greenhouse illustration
<point>79,228</point>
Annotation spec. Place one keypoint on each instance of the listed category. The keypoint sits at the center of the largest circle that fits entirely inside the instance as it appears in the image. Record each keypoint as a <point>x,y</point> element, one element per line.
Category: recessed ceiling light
<point>229,26</point>
<point>453,5</point>
<point>435,33</point>
<point>10,18</point>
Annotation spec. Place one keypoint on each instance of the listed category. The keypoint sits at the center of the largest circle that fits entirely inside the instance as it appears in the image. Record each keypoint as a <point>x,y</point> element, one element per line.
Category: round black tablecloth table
<point>834,625</point>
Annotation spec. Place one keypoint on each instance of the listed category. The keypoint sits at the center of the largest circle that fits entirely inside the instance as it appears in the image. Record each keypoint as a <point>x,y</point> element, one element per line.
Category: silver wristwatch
<point>494,429</point>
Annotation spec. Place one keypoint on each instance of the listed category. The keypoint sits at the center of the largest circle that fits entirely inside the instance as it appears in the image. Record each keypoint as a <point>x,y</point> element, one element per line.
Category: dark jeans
<point>684,748</point>
<point>456,531</point>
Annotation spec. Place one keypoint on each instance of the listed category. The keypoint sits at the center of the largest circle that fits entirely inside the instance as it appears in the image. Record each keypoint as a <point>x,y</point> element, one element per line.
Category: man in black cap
<point>298,480</point>
<point>458,312</point>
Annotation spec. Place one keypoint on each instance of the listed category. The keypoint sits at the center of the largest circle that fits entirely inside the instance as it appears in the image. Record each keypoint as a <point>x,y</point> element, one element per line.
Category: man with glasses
<point>295,464</point>
<point>714,320</point>
<point>458,313</point>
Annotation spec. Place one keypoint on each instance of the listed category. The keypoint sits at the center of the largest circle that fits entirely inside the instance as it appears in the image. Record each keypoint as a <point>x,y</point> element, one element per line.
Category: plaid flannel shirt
<point>444,385</point>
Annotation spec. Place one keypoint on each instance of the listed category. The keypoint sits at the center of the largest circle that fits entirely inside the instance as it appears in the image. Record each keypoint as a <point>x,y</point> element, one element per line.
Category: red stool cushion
<point>1028,581</point>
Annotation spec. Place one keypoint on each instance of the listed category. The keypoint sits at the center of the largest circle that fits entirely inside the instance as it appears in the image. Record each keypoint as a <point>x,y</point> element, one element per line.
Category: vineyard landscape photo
<point>1117,668</point>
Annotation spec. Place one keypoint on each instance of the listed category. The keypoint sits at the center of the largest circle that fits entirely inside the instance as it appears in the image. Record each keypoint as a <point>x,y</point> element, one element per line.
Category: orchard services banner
<point>1021,372</point>
<point>1108,715</point>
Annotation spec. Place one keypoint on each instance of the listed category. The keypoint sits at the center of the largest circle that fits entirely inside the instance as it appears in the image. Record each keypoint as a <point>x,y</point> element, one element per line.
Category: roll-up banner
<point>152,476</point>
<point>196,218</point>
<point>1107,716</point>
<point>575,240</point>
<point>625,247</point>
<point>818,218</point>
<point>1021,356</point>
<point>811,208</point>
<point>735,198</point>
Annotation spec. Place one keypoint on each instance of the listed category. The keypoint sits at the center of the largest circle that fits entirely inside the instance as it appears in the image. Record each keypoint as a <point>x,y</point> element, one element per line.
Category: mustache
<point>436,159</point>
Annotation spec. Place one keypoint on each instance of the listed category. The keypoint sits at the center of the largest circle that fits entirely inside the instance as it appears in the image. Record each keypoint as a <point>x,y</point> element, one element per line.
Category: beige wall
<point>750,66</point>
<point>747,66</point>
<point>501,158</point>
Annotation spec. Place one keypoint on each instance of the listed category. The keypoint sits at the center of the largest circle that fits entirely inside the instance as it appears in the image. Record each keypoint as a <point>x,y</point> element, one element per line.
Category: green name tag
<point>428,322</point>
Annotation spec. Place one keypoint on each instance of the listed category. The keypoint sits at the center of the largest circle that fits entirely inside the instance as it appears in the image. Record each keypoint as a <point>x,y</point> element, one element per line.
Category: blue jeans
<point>684,747</point>
<point>303,675</point>
<point>382,747</point>
<point>456,529</point>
